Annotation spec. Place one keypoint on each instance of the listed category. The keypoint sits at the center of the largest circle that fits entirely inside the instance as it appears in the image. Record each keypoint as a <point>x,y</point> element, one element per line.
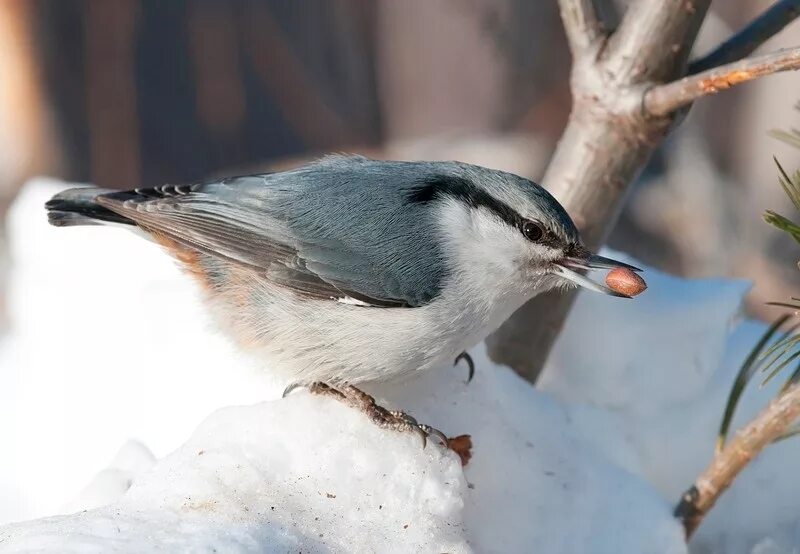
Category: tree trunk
<point>607,142</point>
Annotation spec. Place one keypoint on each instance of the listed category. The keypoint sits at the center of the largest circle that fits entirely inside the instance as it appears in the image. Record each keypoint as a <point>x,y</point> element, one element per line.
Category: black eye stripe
<point>464,190</point>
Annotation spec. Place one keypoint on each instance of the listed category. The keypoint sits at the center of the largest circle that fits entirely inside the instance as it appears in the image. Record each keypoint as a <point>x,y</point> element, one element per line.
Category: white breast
<point>340,341</point>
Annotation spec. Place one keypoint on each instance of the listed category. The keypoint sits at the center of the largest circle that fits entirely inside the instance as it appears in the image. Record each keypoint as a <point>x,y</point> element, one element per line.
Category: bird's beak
<point>566,267</point>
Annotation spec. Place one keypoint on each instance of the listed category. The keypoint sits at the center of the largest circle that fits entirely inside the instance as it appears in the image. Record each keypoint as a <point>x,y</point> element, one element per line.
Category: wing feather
<point>246,236</point>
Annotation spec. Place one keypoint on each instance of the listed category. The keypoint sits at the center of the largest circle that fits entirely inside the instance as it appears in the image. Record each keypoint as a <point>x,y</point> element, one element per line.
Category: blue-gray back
<point>343,226</point>
<point>354,225</point>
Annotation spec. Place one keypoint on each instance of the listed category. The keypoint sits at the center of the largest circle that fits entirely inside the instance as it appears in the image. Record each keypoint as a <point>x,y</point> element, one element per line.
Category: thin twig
<point>581,24</point>
<point>748,443</point>
<point>745,42</point>
<point>663,100</point>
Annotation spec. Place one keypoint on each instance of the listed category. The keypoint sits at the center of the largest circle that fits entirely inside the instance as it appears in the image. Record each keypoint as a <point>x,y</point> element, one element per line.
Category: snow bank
<point>308,473</point>
<point>108,344</point>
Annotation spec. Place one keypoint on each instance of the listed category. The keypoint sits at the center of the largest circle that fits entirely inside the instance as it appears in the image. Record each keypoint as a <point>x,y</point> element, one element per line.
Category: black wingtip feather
<point>58,218</point>
<point>78,206</point>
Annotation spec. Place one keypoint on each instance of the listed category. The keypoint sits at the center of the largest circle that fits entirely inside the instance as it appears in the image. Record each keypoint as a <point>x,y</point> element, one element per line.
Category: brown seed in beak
<point>625,281</point>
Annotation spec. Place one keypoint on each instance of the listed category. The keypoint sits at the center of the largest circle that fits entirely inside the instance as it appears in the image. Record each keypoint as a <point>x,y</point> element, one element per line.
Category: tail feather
<point>78,206</point>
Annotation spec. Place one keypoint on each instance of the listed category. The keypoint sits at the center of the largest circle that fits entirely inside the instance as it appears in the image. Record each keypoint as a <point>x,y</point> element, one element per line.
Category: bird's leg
<point>470,364</point>
<point>386,419</point>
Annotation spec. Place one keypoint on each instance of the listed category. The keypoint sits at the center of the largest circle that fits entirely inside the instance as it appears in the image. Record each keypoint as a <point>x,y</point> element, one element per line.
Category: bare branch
<point>665,99</point>
<point>654,38</point>
<point>582,25</point>
<point>745,42</point>
<point>605,145</point>
<point>768,426</point>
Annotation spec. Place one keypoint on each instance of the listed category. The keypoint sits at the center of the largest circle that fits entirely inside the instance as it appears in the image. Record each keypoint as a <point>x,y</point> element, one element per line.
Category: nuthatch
<point>350,270</point>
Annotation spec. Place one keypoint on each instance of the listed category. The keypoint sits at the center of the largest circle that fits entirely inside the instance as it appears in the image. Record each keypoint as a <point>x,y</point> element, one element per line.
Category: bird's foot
<point>383,418</point>
<point>470,364</point>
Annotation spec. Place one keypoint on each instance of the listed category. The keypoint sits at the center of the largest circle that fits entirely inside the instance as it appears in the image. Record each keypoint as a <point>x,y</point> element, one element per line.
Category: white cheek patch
<point>488,225</point>
<point>473,232</point>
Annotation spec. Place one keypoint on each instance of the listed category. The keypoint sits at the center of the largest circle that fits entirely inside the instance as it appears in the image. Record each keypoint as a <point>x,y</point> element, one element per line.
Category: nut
<point>625,281</point>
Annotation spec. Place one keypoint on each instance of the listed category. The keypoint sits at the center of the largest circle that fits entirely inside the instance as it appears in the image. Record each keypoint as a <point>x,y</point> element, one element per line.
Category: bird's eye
<point>532,231</point>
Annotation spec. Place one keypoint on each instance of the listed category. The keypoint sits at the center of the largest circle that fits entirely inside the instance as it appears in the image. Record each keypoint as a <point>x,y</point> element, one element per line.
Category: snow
<point>108,343</point>
<point>310,473</point>
<point>109,347</point>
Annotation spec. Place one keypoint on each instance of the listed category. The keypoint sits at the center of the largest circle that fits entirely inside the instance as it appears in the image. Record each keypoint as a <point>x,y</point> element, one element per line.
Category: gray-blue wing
<point>301,232</point>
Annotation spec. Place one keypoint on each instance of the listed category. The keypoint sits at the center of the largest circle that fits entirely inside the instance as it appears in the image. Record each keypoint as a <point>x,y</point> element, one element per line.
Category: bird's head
<point>506,230</point>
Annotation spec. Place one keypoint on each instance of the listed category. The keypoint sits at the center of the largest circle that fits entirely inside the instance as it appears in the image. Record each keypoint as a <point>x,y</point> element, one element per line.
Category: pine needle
<point>793,378</point>
<point>785,305</point>
<point>792,138</point>
<point>777,350</point>
<point>783,224</point>
<point>790,185</point>
<point>780,366</point>
<point>746,372</point>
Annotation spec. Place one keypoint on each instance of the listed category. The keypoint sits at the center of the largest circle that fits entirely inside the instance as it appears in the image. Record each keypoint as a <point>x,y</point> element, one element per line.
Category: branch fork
<point>583,26</point>
<point>630,88</point>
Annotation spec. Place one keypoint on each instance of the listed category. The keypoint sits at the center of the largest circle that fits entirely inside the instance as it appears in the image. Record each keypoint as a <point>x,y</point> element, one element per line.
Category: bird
<point>350,270</point>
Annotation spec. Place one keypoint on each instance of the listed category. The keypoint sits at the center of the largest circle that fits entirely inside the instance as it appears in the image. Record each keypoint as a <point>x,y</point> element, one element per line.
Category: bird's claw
<point>424,431</point>
<point>428,430</point>
<point>470,364</point>
<point>410,423</point>
<point>386,419</point>
<point>290,387</point>
<point>422,435</point>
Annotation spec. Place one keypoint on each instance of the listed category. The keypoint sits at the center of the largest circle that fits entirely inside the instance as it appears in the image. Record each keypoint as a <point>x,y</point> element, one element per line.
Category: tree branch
<point>770,424</point>
<point>745,42</point>
<point>604,147</point>
<point>662,100</point>
<point>654,38</point>
<point>581,24</point>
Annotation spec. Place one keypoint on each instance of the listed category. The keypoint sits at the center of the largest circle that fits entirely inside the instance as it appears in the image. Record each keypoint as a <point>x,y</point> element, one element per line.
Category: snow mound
<point>108,342</point>
<point>592,461</point>
<point>308,473</point>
